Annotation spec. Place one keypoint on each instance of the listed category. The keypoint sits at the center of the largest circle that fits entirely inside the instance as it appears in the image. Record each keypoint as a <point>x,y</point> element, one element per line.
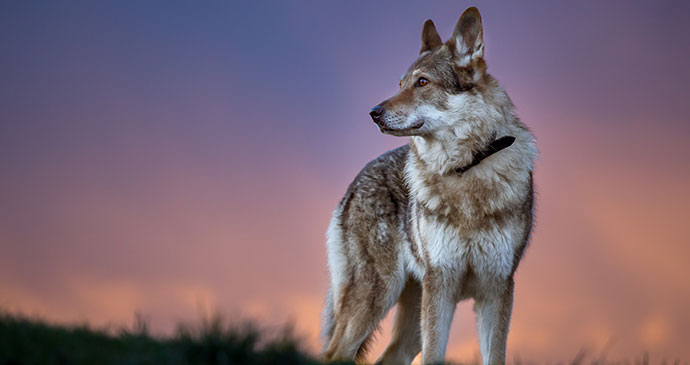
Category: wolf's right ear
<point>430,38</point>
<point>467,40</point>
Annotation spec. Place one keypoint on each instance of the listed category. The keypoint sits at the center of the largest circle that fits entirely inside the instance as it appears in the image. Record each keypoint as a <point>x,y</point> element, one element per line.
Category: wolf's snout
<point>377,114</point>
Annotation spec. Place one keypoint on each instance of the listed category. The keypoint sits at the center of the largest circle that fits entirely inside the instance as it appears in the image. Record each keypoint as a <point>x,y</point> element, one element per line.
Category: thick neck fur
<point>453,148</point>
<point>501,180</point>
<point>476,126</point>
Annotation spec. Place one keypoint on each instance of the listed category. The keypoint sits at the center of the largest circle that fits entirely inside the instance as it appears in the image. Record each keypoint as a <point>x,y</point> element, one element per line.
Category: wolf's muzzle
<point>377,114</point>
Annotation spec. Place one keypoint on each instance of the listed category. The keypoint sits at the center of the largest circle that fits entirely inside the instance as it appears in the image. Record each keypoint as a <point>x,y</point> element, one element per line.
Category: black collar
<point>493,147</point>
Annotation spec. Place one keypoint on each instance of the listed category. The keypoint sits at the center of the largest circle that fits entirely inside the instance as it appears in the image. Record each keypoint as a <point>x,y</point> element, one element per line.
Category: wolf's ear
<point>467,41</point>
<point>430,37</point>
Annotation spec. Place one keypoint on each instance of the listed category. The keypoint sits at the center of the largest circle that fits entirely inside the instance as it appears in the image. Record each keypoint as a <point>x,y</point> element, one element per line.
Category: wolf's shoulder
<point>383,175</point>
<point>389,165</point>
<point>392,159</point>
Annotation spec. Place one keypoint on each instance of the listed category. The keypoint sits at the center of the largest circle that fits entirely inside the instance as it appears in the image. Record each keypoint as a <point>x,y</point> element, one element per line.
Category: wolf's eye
<point>422,81</point>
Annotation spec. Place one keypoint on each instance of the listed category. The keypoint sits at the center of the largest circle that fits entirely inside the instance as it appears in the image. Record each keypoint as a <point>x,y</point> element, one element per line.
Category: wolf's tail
<point>328,319</point>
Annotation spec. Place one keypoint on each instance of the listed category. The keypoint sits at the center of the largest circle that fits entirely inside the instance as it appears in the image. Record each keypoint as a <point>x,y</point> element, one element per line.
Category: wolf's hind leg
<point>406,342</point>
<point>360,312</point>
<point>328,319</point>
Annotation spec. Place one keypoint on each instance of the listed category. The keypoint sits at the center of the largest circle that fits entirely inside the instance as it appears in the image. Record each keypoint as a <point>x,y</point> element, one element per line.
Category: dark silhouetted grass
<point>26,340</point>
<point>30,341</point>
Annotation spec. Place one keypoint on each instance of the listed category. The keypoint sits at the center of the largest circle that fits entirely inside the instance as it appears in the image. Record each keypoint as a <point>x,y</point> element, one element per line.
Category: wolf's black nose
<point>376,113</point>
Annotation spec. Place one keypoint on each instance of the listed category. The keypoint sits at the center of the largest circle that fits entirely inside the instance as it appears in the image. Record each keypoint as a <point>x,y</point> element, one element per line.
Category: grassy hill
<point>30,341</point>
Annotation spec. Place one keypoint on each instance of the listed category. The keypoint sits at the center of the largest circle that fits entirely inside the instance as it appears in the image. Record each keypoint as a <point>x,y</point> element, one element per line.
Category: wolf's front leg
<point>493,319</point>
<point>438,306</point>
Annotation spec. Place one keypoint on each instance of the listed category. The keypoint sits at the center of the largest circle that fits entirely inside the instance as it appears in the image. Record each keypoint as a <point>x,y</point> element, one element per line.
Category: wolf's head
<point>446,88</point>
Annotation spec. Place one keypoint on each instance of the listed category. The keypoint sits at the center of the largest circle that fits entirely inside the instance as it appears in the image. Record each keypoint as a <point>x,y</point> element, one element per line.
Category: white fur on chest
<point>488,253</point>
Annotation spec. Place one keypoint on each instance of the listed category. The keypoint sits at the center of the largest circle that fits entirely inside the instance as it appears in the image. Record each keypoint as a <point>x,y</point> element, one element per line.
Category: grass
<point>31,341</point>
<point>26,340</point>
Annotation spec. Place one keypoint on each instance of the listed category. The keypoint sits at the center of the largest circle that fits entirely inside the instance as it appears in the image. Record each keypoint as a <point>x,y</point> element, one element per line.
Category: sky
<point>176,159</point>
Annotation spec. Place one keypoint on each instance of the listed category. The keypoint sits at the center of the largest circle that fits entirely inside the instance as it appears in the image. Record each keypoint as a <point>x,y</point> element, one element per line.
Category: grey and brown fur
<point>412,230</point>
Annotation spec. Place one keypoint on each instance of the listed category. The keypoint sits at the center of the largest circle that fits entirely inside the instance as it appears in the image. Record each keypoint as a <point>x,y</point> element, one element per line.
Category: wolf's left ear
<point>467,41</point>
<point>430,38</point>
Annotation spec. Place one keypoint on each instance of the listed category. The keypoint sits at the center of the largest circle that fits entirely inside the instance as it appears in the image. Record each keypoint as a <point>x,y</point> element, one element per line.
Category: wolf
<point>446,217</point>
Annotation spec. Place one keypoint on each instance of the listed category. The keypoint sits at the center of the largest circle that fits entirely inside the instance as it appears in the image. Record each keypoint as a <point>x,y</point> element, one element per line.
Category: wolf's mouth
<point>402,131</point>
